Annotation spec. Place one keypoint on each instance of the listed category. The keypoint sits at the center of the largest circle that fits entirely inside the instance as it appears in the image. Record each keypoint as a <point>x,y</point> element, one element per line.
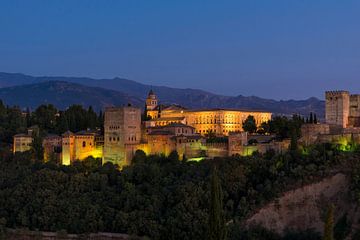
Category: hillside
<point>191,98</point>
<point>64,94</point>
<point>303,208</point>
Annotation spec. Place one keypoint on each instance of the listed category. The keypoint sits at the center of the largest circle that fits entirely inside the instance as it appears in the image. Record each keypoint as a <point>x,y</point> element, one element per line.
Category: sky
<point>280,49</point>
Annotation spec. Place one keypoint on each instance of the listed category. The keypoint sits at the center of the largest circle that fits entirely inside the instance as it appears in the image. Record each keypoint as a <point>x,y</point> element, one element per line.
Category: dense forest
<point>158,197</point>
<point>49,119</point>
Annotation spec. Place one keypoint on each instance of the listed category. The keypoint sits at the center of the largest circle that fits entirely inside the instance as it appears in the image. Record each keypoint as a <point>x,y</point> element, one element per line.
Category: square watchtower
<point>337,108</point>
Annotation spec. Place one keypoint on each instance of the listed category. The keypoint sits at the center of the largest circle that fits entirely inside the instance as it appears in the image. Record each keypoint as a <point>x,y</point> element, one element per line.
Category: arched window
<point>84,144</point>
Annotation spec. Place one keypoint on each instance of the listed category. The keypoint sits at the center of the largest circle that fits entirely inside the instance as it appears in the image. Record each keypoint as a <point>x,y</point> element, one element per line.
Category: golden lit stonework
<point>217,121</point>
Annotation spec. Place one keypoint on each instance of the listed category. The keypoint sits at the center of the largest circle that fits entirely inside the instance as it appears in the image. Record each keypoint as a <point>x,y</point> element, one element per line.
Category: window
<point>84,144</point>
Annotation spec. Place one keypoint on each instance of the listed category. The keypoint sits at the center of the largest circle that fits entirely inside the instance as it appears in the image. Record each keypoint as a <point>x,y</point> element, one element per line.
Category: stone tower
<point>122,129</point>
<point>354,118</point>
<point>337,108</point>
<point>151,101</point>
<point>68,148</point>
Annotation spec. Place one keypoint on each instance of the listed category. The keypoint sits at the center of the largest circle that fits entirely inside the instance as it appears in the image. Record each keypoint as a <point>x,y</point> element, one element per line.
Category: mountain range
<point>28,91</point>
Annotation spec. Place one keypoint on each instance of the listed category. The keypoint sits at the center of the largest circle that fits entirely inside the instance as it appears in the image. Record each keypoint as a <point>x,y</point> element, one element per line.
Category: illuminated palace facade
<point>204,121</point>
<point>167,129</point>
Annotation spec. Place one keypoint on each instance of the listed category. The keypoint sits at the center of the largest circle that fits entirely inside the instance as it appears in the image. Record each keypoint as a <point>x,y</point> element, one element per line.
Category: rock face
<point>304,208</point>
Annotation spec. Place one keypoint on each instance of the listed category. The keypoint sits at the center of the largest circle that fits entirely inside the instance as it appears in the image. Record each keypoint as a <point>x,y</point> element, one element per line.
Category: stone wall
<point>310,132</point>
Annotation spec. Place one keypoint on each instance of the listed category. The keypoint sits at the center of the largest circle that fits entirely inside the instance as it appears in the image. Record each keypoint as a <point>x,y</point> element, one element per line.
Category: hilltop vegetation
<point>158,197</point>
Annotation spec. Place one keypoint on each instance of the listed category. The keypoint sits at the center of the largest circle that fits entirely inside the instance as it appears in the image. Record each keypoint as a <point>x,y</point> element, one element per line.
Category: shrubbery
<point>158,197</point>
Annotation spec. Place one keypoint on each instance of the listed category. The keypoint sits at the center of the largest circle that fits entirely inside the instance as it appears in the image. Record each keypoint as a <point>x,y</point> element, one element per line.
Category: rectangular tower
<point>337,108</point>
<point>354,116</point>
<point>122,128</point>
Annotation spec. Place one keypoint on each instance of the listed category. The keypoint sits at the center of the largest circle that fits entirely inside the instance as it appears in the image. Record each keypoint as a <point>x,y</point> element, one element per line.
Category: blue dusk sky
<point>281,49</point>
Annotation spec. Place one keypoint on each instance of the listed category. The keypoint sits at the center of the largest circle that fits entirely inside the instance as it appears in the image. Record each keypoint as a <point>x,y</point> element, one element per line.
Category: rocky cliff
<point>304,208</point>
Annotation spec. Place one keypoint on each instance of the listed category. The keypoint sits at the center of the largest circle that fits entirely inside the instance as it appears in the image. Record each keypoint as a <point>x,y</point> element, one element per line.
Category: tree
<point>173,156</point>
<point>329,224</point>
<point>2,228</point>
<point>342,228</point>
<point>315,119</point>
<point>294,141</point>
<point>45,116</point>
<point>139,157</point>
<point>37,148</point>
<point>249,125</point>
<point>217,229</point>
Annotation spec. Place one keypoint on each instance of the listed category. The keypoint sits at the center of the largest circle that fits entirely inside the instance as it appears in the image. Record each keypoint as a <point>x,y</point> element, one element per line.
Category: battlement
<point>354,96</point>
<point>336,93</point>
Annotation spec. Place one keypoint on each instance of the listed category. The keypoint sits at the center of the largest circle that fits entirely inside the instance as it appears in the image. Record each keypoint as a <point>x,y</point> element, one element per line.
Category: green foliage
<point>252,141</point>
<point>283,127</point>
<point>157,197</point>
<point>294,143</point>
<point>309,234</point>
<point>356,235</point>
<point>45,117</point>
<point>37,148</point>
<point>2,228</point>
<point>342,228</point>
<point>174,156</point>
<point>329,224</point>
<point>12,121</point>
<point>217,230</point>
<point>249,125</point>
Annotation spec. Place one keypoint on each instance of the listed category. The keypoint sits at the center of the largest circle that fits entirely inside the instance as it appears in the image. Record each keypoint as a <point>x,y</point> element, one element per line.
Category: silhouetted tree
<point>311,119</point>
<point>217,229</point>
<point>37,148</point>
<point>249,125</point>
<point>329,224</point>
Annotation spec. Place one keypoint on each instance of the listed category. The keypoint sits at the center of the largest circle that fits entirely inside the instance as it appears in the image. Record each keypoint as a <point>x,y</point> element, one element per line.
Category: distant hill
<point>137,92</point>
<point>63,94</point>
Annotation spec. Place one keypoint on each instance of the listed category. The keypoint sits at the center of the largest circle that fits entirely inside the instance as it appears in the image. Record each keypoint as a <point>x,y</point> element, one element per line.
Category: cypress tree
<point>37,148</point>
<point>315,119</point>
<point>329,224</point>
<point>293,141</point>
<point>311,120</point>
<point>159,111</point>
<point>217,229</point>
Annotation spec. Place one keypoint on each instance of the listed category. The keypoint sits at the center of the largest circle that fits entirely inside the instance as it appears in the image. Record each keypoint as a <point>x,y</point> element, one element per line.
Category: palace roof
<point>161,132</point>
<point>167,119</point>
<point>178,125</point>
<point>22,135</point>
<point>225,109</point>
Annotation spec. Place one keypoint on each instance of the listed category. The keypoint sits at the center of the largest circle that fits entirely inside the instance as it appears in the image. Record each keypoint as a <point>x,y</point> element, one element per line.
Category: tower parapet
<point>337,107</point>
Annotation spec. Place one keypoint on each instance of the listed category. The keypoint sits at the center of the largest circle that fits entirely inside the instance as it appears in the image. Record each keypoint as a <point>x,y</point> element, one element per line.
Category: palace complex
<point>164,129</point>
<point>217,121</point>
